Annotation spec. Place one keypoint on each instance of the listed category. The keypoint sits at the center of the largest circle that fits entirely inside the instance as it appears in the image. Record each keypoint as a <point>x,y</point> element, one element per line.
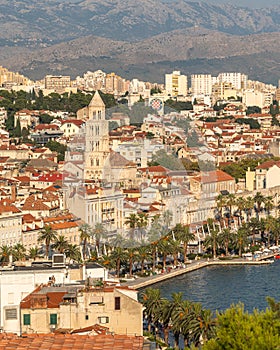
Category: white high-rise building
<point>176,84</point>
<point>237,80</point>
<point>201,84</point>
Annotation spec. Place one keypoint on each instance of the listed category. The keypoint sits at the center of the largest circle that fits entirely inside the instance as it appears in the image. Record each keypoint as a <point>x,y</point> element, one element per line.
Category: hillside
<point>143,39</point>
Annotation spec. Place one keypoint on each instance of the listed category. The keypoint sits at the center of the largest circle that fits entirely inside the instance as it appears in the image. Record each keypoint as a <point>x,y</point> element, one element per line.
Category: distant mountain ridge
<point>137,38</point>
<point>56,21</point>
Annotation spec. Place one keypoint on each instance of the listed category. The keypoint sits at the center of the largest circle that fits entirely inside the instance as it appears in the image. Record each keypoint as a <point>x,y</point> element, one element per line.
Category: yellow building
<point>73,307</point>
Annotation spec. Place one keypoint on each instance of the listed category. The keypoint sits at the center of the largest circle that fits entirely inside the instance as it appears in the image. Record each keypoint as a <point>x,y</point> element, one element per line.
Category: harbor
<point>143,282</point>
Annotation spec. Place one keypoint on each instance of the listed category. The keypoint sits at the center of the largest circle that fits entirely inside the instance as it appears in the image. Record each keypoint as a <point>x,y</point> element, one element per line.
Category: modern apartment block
<point>176,84</point>
<point>201,84</point>
<point>237,80</point>
<point>58,83</point>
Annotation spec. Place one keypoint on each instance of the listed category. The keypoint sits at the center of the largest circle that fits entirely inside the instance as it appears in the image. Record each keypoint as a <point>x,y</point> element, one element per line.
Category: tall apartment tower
<point>176,84</point>
<point>201,84</point>
<point>237,80</point>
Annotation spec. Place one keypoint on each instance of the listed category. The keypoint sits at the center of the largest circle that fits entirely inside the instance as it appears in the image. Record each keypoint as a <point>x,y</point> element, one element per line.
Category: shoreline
<point>143,282</point>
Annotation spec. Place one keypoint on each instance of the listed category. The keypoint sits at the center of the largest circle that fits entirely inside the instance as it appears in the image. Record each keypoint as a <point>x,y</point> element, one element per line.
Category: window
<point>117,303</point>
<point>11,314</point>
<point>53,318</point>
<point>26,320</point>
<point>103,319</point>
<point>10,298</point>
<point>86,317</point>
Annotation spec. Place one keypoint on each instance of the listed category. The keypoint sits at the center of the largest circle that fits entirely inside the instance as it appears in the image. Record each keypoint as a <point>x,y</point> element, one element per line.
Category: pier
<point>143,282</point>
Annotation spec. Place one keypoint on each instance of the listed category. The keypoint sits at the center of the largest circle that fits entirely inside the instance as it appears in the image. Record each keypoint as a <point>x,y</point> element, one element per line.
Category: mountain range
<point>138,39</point>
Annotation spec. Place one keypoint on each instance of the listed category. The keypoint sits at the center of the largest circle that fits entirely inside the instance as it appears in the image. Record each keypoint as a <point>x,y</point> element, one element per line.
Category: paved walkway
<point>142,282</point>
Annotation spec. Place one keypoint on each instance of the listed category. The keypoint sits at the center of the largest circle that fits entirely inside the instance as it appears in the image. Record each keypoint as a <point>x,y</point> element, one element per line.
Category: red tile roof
<point>213,176</point>
<point>69,341</point>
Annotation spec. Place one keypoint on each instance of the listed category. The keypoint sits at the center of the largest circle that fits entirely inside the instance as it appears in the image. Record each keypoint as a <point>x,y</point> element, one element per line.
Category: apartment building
<point>176,84</point>
<point>201,84</point>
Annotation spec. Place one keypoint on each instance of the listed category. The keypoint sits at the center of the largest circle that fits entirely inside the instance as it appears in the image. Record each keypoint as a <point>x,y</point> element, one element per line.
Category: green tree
<point>118,256</point>
<point>212,240</point>
<point>17,131</point>
<point>5,252</point>
<point>237,329</point>
<point>226,237</point>
<point>153,303</point>
<point>253,110</point>
<point>73,252</point>
<point>47,235</point>
<point>241,238</point>
<point>33,253</point>
<point>86,233</point>
<point>182,234</point>
<point>60,244</point>
<point>18,252</point>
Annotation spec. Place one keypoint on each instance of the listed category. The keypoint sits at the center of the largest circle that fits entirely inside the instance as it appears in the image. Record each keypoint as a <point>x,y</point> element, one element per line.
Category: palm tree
<point>73,252</point>
<point>201,325</point>
<point>268,204</point>
<point>33,253</point>
<point>118,256</point>
<point>61,244</point>
<point>241,239</point>
<point>276,232</point>
<point>99,232</point>
<point>226,236</point>
<point>221,203</point>
<point>144,254</point>
<point>249,206</point>
<point>165,248</point>
<point>18,252</point>
<point>5,252</point>
<point>132,222</point>
<point>183,234</point>
<point>47,235</point>
<point>258,199</point>
<point>142,223</point>
<point>253,228</point>
<point>85,235</point>
<point>241,206</point>
<point>132,257</point>
<point>211,240</point>
<point>271,226</point>
<point>153,304</point>
<point>230,202</point>
<point>172,310</point>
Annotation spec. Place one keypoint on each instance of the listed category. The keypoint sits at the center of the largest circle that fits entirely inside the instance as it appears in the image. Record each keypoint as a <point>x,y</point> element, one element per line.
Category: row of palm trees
<point>184,318</point>
<point>244,205</point>
<point>243,236</point>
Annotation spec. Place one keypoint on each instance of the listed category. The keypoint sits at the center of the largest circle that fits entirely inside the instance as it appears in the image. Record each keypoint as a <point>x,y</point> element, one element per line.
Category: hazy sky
<point>247,3</point>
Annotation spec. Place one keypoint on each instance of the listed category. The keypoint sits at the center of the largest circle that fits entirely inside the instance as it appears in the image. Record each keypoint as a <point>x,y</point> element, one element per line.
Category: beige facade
<point>49,308</point>
<point>57,83</point>
<point>10,225</point>
<point>176,84</point>
<point>117,309</point>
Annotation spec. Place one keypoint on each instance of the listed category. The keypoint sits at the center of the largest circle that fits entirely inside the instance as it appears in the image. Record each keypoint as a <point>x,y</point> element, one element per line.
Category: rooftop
<point>69,341</point>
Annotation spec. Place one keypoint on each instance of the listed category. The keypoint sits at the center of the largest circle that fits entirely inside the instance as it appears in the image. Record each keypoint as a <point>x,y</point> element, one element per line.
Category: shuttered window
<point>26,320</point>
<point>53,318</point>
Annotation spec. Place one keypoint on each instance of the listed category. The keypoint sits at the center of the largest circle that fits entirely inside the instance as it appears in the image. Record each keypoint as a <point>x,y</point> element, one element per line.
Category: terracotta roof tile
<point>69,341</point>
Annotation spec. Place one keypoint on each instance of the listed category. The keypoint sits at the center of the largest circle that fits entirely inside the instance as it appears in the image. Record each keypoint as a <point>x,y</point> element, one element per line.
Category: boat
<point>277,256</point>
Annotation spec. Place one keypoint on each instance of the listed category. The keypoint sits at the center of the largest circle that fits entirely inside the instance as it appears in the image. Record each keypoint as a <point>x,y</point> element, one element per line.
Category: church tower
<point>96,139</point>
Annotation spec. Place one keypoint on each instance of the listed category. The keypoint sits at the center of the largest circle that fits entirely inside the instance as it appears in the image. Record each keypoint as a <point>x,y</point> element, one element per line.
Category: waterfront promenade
<point>143,282</point>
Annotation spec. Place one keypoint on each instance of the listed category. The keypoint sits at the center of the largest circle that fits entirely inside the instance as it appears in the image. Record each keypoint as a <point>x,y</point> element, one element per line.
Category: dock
<point>143,282</point>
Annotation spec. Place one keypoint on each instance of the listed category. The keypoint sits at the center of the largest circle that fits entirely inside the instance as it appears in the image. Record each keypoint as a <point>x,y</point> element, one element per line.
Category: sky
<point>247,3</point>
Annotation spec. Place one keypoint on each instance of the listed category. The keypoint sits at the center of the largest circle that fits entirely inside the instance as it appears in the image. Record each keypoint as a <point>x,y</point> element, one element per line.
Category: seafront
<point>143,282</point>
